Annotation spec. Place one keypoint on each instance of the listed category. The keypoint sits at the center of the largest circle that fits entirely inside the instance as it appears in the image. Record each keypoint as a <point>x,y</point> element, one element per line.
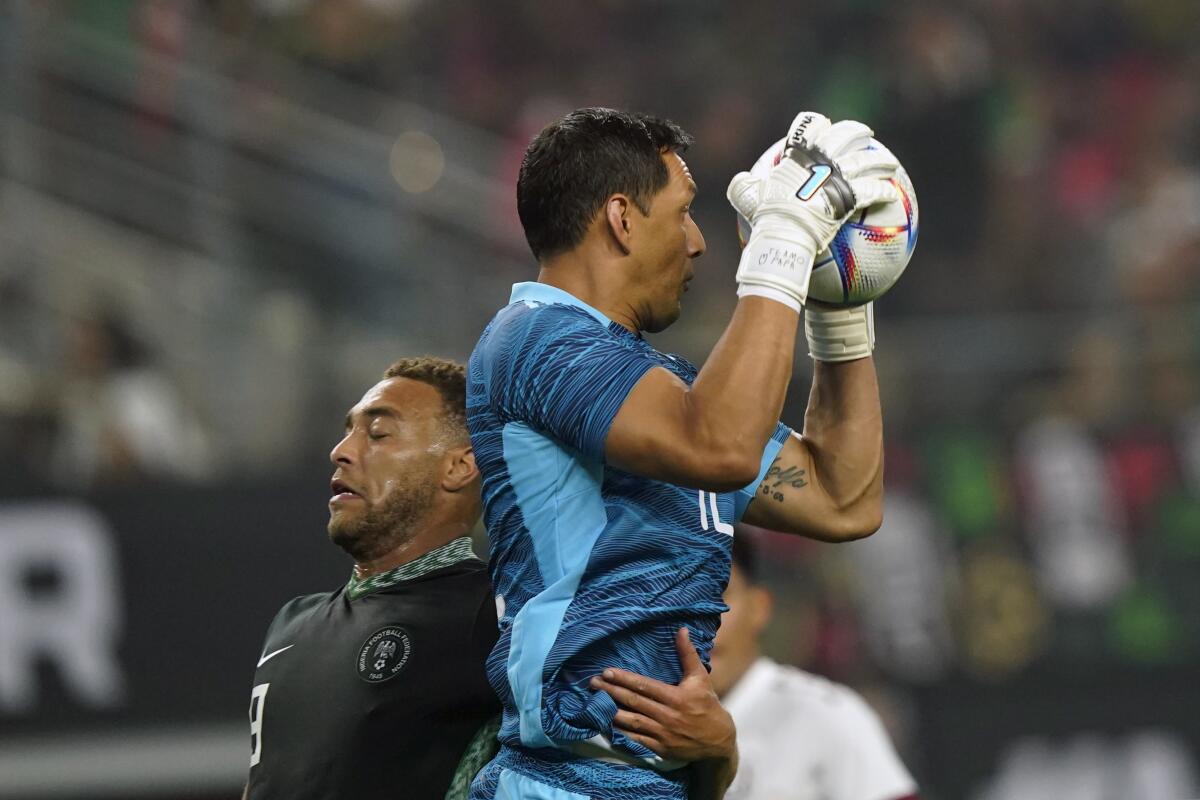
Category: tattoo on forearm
<point>780,477</point>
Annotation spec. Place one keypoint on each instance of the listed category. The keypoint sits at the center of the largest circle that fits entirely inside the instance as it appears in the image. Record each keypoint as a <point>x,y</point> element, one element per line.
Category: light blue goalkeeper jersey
<point>592,566</point>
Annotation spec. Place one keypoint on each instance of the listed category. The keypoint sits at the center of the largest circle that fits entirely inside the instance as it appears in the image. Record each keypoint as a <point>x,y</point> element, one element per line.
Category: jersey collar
<point>534,292</point>
<point>450,553</point>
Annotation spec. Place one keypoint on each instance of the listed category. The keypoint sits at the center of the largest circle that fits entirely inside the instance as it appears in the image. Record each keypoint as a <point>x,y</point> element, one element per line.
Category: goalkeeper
<point>613,473</point>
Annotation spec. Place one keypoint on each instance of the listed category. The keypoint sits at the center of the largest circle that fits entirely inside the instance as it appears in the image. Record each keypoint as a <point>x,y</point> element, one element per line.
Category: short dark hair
<point>578,162</point>
<point>448,377</point>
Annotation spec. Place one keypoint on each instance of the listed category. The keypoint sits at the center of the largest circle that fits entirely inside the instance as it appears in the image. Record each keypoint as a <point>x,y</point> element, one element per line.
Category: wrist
<point>726,750</point>
<point>771,293</point>
<point>839,334</point>
<point>725,770</point>
<point>779,259</point>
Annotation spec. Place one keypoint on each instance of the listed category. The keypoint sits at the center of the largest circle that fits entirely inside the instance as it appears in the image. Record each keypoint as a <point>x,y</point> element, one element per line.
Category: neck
<point>431,537</point>
<point>735,669</point>
<point>596,281</point>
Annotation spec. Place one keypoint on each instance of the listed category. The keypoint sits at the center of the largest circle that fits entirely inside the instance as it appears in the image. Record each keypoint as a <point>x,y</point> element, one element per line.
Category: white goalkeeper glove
<point>825,175</point>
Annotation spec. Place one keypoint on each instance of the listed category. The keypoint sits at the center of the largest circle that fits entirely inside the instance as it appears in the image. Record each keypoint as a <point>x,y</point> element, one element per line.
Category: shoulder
<point>458,588</point>
<point>304,604</point>
<point>531,320</point>
<point>474,598</point>
<point>296,610</point>
<point>469,575</point>
<point>796,726</point>
<point>680,366</point>
<point>520,331</point>
<point>839,707</point>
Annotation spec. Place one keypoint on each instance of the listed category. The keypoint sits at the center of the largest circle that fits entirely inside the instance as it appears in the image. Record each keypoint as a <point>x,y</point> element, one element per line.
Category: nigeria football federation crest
<point>384,654</point>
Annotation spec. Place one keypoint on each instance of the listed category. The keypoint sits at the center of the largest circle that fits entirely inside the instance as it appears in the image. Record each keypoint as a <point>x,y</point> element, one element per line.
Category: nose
<point>343,452</point>
<point>695,239</point>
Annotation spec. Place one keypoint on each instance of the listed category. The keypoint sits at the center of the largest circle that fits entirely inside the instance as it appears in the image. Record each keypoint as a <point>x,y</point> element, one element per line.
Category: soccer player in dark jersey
<point>613,473</point>
<point>378,689</point>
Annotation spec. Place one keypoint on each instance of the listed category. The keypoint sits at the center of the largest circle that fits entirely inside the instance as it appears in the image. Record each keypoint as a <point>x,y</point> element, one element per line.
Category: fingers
<point>807,128</point>
<point>639,724</point>
<point>639,718</point>
<point>868,164</point>
<point>639,684</point>
<point>648,687</point>
<point>844,137</point>
<point>689,658</point>
<point>629,699</point>
<point>654,744</point>
<point>872,191</point>
<point>770,157</point>
<point>744,194</point>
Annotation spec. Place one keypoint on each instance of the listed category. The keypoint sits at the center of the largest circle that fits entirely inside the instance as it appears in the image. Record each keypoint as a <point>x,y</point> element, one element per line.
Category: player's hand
<point>828,171</point>
<point>685,722</point>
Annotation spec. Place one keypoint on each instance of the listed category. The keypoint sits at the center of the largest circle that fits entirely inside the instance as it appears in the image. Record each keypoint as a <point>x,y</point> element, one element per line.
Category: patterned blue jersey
<point>592,566</point>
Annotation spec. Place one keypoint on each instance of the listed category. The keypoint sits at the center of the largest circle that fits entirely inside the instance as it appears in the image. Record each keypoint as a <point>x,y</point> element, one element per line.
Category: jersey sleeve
<point>741,500</point>
<point>557,369</point>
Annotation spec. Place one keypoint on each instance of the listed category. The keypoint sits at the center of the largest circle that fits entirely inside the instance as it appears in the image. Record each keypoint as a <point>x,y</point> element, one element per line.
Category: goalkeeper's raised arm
<point>712,435</point>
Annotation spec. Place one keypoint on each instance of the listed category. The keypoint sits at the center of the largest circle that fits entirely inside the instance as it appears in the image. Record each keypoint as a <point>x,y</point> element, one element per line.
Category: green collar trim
<point>444,556</point>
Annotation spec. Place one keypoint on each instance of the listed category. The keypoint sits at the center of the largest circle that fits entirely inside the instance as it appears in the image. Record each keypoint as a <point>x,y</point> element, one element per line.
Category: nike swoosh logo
<point>269,656</point>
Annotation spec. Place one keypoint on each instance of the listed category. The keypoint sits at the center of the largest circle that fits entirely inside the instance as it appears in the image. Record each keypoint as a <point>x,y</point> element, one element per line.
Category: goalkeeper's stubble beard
<point>381,527</point>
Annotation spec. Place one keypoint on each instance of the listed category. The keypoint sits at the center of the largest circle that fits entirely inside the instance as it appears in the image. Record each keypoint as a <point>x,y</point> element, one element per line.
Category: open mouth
<point>341,491</point>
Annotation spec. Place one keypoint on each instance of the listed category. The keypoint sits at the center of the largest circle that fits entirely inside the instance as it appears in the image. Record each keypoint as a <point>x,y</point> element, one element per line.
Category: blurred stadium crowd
<point>219,220</point>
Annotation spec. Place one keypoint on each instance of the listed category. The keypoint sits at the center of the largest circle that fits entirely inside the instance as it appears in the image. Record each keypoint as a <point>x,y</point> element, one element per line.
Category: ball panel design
<point>868,254</point>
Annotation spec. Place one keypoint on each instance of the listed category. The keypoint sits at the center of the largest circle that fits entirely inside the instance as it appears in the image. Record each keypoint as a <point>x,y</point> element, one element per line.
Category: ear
<point>461,471</point>
<point>618,212</point>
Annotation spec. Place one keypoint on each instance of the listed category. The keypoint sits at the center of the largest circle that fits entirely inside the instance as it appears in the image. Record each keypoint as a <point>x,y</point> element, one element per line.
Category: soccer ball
<point>869,252</point>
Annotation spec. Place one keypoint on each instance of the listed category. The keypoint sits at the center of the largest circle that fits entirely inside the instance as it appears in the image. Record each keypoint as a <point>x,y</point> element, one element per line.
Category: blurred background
<point>219,222</point>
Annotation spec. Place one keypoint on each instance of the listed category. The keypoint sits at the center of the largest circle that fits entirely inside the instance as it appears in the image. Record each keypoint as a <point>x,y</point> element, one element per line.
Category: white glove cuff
<point>840,334</point>
<point>769,292</point>
<point>783,262</point>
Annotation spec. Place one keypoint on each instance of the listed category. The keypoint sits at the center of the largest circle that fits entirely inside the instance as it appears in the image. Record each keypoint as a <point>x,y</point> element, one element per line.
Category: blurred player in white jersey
<point>800,736</point>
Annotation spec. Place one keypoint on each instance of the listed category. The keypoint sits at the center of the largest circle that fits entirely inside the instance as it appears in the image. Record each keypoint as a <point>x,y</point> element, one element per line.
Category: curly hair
<point>448,377</point>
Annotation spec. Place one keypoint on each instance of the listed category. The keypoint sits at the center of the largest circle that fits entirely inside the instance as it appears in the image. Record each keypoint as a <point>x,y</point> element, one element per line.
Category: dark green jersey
<point>375,690</point>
